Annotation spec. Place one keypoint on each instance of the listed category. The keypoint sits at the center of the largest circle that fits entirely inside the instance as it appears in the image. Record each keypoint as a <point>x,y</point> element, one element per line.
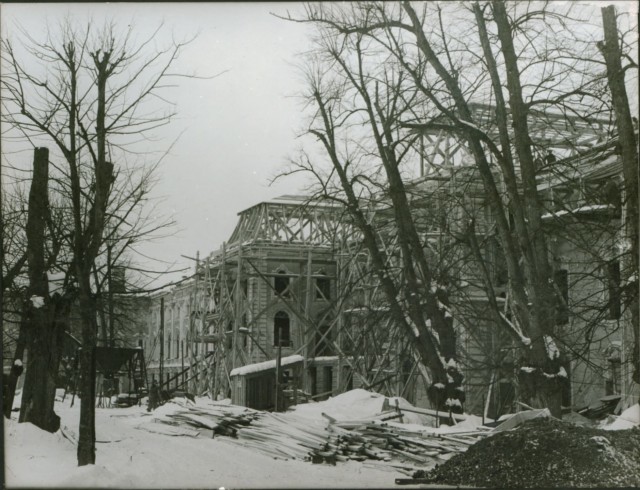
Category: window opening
<point>323,287</point>
<point>281,284</point>
<point>281,329</point>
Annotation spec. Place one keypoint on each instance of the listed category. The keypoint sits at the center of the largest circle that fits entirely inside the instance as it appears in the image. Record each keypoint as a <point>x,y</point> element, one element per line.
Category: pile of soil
<point>546,452</point>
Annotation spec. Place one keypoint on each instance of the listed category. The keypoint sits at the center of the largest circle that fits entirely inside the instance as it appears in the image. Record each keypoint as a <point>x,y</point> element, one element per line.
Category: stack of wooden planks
<point>380,441</point>
<point>284,436</point>
<point>290,436</point>
<point>215,419</point>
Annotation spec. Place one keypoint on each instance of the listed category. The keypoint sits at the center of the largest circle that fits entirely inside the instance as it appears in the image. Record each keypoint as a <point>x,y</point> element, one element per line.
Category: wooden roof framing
<point>549,130</point>
<point>290,220</point>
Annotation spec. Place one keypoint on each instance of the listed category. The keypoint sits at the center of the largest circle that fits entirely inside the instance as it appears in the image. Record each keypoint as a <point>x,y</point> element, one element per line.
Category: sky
<point>236,130</point>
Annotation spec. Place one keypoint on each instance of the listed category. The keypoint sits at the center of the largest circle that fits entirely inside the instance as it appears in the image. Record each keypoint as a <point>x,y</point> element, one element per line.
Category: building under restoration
<point>292,291</point>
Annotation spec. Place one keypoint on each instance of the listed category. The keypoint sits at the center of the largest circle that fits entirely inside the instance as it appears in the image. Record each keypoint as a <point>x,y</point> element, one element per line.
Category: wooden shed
<point>254,385</point>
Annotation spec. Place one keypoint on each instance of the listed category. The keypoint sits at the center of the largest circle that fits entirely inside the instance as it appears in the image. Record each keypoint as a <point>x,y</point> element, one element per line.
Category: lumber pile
<point>283,436</point>
<point>379,441</point>
<point>222,420</point>
<point>376,440</point>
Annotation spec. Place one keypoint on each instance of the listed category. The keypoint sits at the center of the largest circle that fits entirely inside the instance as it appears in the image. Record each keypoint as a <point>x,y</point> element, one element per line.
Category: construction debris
<point>380,441</point>
<point>601,407</point>
<point>545,452</point>
<point>377,439</point>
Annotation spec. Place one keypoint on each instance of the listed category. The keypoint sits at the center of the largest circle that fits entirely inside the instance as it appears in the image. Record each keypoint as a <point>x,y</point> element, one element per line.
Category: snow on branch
<point>526,341</point>
<point>552,349</point>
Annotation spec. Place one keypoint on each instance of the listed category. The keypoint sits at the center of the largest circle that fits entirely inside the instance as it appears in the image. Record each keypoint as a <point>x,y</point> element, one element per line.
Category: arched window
<point>281,329</point>
<point>281,283</point>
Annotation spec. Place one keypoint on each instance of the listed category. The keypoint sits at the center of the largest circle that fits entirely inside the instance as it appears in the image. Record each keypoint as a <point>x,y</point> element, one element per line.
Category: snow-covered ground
<point>628,419</point>
<point>128,457</point>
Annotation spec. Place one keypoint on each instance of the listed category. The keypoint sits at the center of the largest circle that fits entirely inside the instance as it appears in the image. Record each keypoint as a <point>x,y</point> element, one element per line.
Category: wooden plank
<point>209,424</point>
<point>427,411</point>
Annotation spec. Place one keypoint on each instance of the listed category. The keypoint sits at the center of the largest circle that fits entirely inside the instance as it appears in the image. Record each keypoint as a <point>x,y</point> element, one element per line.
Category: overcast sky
<point>237,129</point>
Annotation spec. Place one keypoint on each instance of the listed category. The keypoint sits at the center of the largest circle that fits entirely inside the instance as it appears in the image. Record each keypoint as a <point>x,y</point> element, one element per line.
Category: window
<point>561,280</point>
<point>281,284</point>
<point>323,288</point>
<point>346,340</point>
<point>323,346</point>
<point>281,329</point>
<point>612,376</point>
<point>613,287</point>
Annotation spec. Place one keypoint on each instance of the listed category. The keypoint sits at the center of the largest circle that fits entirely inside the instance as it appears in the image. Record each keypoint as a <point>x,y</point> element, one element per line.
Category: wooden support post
<point>307,311</point>
<point>278,394</point>
<point>161,363</point>
<point>182,359</point>
<point>238,310</point>
<point>221,365</point>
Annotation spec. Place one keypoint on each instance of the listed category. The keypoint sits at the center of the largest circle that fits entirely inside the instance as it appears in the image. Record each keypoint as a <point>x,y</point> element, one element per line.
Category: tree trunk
<point>87,428</point>
<point>16,369</point>
<point>85,260</point>
<point>541,297</point>
<point>424,342</point>
<point>43,332</point>
<point>45,336</point>
<point>628,150</point>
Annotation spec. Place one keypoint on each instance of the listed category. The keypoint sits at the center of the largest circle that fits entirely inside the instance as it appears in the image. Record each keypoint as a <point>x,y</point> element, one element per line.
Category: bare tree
<point>91,94</point>
<point>357,121</point>
<point>529,62</point>
<point>614,55</point>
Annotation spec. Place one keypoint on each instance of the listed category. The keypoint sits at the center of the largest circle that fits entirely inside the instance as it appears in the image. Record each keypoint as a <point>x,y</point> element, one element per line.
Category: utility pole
<point>110,297</point>
<point>161,341</point>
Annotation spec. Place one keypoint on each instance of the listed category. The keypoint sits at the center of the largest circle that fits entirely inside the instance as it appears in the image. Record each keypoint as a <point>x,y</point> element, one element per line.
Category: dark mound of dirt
<point>546,453</point>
